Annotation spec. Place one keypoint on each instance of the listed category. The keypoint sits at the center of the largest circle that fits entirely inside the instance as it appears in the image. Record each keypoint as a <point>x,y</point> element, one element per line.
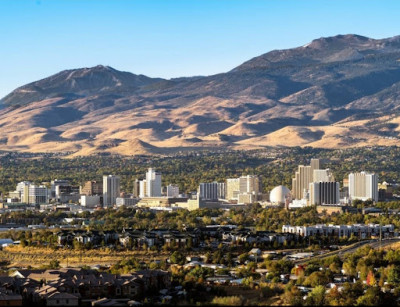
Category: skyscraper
<point>323,175</point>
<point>324,193</point>
<point>172,190</point>
<point>245,189</point>
<point>91,188</point>
<point>55,183</point>
<point>23,189</point>
<point>111,190</point>
<point>363,186</point>
<point>38,194</point>
<point>142,188</point>
<point>232,188</point>
<point>136,188</point>
<point>208,191</point>
<point>302,179</point>
<point>221,192</point>
<point>249,184</point>
<point>153,183</point>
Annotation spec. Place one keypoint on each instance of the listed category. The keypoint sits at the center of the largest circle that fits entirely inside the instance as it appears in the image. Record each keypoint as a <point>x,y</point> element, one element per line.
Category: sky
<point>170,38</point>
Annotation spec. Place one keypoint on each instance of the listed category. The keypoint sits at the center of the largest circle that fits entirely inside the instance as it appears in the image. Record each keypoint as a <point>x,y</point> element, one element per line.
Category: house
<point>110,236</point>
<point>62,299</point>
<point>110,302</point>
<point>10,299</point>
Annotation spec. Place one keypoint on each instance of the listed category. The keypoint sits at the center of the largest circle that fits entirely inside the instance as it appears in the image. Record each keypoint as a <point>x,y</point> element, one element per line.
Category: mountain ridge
<point>334,91</point>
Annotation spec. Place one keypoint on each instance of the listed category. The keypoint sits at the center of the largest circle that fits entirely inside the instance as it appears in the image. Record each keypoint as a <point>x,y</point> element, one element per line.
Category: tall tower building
<point>302,179</point>
<point>324,193</point>
<point>249,184</point>
<point>363,186</point>
<point>38,194</point>
<point>153,183</point>
<point>221,192</point>
<point>23,189</point>
<point>111,190</point>
<point>208,191</point>
<point>142,188</point>
<point>323,175</point>
<point>58,182</point>
<point>91,188</point>
<point>172,190</point>
<point>136,188</point>
<point>315,164</point>
<point>232,188</point>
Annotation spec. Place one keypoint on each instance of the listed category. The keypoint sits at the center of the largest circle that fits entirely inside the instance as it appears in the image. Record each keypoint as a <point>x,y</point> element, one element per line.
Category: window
<point>67,301</point>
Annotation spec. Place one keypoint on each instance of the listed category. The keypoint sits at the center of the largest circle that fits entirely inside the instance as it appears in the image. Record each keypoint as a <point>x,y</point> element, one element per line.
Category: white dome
<point>279,194</point>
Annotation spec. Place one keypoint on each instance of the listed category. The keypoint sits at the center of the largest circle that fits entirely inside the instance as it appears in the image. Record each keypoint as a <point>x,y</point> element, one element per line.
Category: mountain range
<point>335,92</point>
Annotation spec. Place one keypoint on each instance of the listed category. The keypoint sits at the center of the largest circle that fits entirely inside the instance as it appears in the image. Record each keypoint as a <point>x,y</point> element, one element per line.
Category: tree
<point>371,281</point>
<point>177,258</point>
<point>393,275</point>
<point>316,297</point>
<point>316,279</point>
<point>54,264</point>
<point>292,296</point>
<point>372,297</point>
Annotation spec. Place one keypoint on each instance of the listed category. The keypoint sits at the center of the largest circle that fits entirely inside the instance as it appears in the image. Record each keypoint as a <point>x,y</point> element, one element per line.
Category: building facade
<point>324,193</point>
<point>363,186</point>
<point>38,194</point>
<point>208,191</point>
<point>172,190</point>
<point>92,188</point>
<point>153,183</point>
<point>302,179</point>
<point>232,188</point>
<point>111,190</point>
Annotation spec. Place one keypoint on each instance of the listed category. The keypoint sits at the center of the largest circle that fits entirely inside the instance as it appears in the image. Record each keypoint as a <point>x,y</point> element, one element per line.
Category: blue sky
<point>170,38</point>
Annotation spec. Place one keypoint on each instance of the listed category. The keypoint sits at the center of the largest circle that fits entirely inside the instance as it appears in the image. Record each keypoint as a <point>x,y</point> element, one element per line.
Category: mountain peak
<point>82,82</point>
<point>338,41</point>
<point>323,50</point>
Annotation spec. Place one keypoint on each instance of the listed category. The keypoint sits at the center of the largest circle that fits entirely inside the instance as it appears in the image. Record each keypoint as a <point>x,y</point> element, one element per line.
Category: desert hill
<point>340,91</point>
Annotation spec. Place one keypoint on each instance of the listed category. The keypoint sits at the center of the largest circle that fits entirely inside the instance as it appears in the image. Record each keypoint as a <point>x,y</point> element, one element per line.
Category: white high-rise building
<point>363,186</point>
<point>111,190</point>
<point>153,183</point>
<point>232,188</point>
<point>302,179</point>
<point>249,184</point>
<point>23,190</point>
<point>323,175</point>
<point>22,185</point>
<point>221,190</point>
<point>244,190</point>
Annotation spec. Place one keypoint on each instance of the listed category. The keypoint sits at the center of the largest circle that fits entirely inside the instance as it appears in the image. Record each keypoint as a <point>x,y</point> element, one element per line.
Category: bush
<point>227,301</point>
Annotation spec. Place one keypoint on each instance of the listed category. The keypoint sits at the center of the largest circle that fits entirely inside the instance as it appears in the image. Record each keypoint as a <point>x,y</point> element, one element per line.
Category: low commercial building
<point>148,202</point>
<point>90,201</point>
<point>124,201</point>
<point>361,231</point>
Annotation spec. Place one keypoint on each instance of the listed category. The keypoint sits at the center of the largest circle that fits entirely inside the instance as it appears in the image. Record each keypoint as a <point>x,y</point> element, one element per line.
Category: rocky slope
<point>340,91</point>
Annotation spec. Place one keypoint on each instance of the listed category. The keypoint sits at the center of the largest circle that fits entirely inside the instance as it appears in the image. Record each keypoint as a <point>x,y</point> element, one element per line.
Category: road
<point>350,249</point>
